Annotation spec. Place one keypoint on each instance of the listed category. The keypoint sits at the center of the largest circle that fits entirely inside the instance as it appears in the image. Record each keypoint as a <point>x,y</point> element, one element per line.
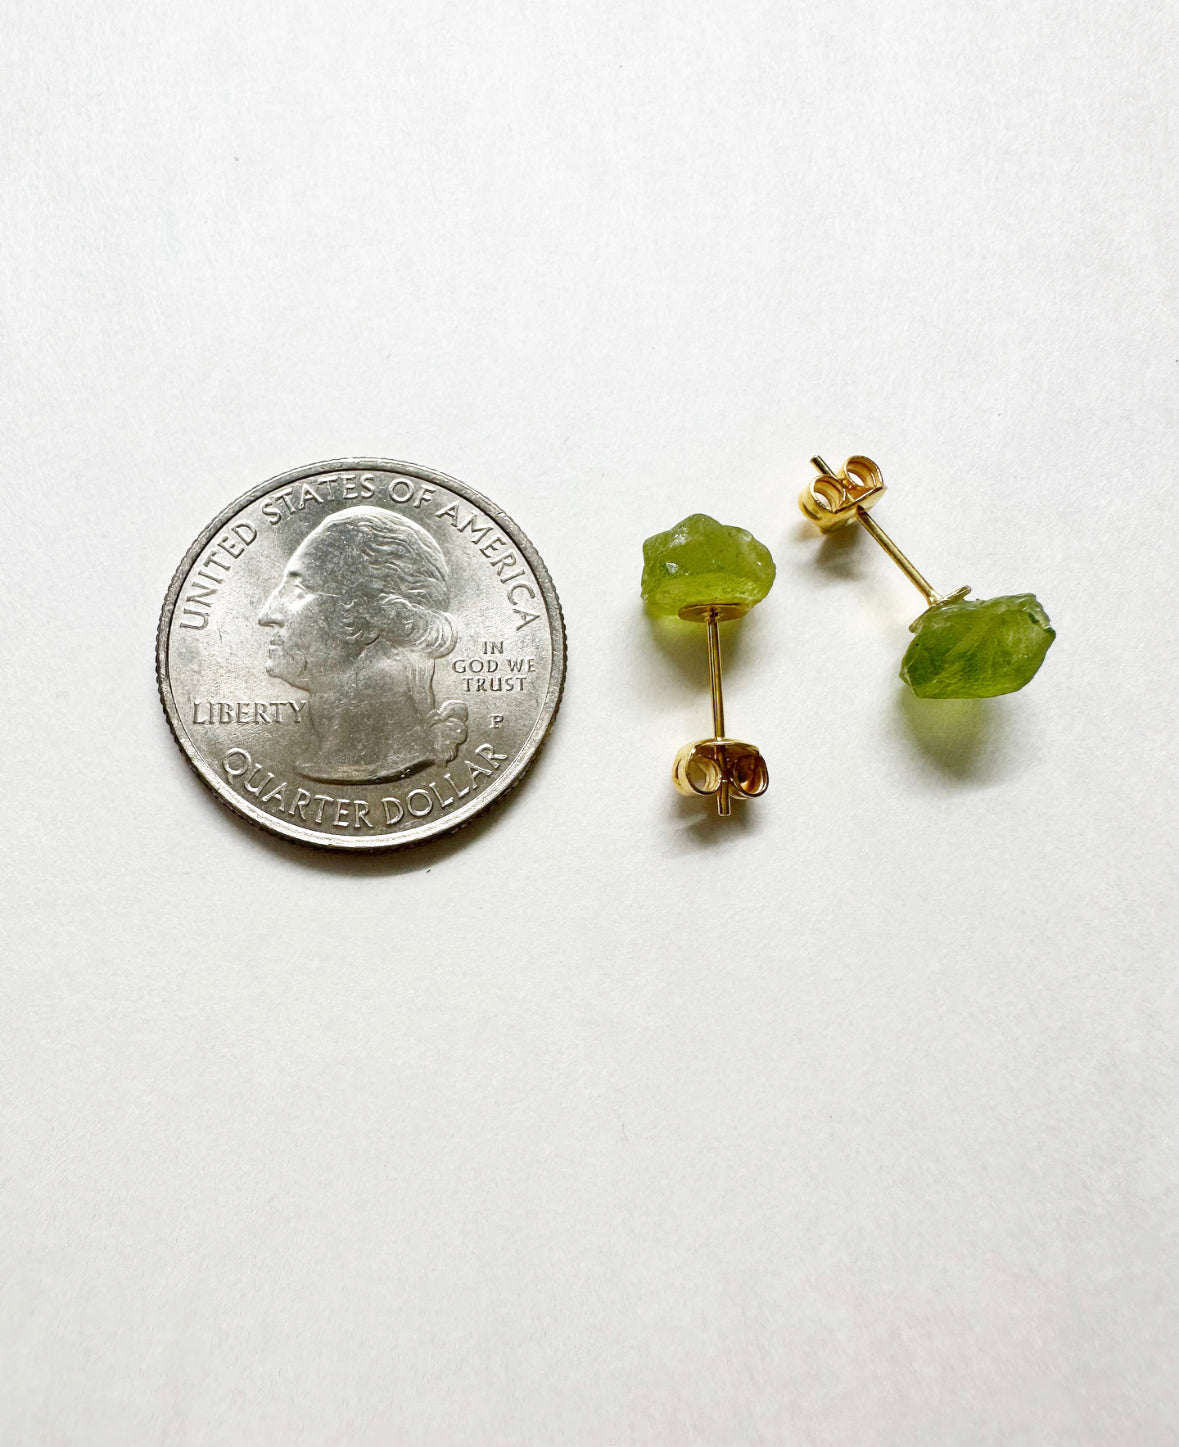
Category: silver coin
<point>361,654</point>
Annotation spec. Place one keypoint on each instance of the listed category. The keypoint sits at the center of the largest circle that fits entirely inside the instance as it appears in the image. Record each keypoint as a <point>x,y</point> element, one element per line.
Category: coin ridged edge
<point>535,741</point>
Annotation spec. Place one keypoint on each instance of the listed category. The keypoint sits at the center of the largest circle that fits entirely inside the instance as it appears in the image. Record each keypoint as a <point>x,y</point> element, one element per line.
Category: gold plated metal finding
<point>835,499</point>
<point>722,767</point>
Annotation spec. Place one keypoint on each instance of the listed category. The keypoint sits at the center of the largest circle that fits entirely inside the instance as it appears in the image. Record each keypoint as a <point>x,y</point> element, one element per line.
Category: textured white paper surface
<point>849,1122</point>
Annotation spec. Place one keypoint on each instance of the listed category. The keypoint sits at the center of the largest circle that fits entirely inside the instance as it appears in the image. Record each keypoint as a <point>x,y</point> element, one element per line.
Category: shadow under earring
<point>961,649</point>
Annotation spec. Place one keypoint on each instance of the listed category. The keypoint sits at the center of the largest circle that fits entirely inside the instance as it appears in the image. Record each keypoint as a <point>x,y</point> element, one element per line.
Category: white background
<point>849,1121</point>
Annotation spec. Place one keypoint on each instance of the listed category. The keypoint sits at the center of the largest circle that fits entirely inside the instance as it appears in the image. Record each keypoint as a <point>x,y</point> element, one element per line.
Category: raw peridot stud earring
<point>961,649</point>
<point>705,572</point>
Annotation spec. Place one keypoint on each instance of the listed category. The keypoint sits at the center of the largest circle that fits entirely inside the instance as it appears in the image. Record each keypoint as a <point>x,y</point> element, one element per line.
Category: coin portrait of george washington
<point>358,622</point>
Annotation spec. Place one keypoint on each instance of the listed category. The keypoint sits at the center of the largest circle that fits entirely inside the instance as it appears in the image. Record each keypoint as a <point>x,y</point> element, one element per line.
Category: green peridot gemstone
<point>977,649</point>
<point>701,562</point>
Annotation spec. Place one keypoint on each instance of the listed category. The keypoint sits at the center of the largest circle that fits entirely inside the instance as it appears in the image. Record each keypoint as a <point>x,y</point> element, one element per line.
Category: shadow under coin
<point>962,737</point>
<point>406,859</point>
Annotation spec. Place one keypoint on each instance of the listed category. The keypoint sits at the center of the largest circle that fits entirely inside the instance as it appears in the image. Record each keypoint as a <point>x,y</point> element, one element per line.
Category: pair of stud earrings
<point>706,572</point>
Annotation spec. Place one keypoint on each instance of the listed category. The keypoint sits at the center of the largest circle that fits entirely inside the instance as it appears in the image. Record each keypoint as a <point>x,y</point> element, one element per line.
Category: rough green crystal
<point>700,562</point>
<point>977,649</point>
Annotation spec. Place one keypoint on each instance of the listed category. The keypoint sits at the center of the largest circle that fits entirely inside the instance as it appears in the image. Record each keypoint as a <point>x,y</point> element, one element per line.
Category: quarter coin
<point>361,654</point>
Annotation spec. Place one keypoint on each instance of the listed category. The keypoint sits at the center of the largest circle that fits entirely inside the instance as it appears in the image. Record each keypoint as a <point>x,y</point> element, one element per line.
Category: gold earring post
<point>723,805</point>
<point>835,499</point>
<point>722,767</point>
